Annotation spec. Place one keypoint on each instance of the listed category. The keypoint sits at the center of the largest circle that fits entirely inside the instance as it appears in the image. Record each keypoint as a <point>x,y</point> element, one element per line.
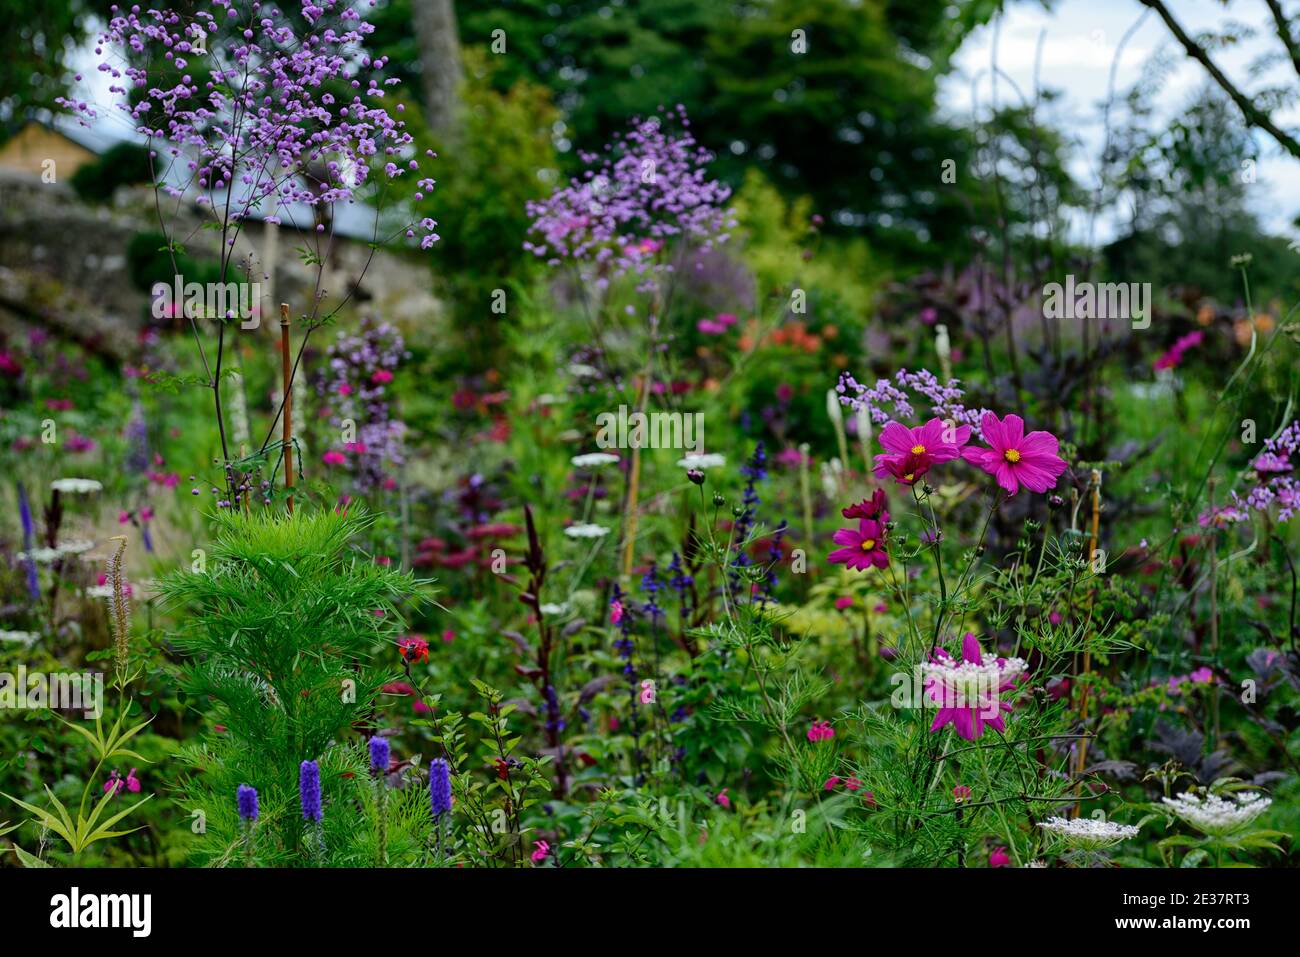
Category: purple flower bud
<point>246,797</point>
<point>439,786</point>
<point>309,790</point>
<point>379,752</point>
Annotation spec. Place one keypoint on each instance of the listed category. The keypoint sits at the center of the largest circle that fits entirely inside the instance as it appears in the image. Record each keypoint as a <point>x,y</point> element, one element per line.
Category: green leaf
<point>29,860</point>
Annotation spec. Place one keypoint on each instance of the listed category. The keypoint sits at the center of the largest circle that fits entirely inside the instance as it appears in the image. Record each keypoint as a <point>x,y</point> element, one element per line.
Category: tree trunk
<point>440,66</point>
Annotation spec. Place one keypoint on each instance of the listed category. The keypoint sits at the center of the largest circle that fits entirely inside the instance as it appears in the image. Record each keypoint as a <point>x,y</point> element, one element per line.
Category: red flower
<point>414,648</point>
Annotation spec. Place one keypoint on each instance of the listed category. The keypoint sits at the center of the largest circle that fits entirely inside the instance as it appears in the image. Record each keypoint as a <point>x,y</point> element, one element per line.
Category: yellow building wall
<point>34,144</point>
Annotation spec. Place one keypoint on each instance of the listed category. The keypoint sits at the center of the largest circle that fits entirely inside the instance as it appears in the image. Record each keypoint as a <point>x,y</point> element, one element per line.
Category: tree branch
<point>1254,116</point>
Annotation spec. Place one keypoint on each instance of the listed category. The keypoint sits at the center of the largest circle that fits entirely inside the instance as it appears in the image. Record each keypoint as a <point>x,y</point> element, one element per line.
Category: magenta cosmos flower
<point>862,547</point>
<point>909,453</point>
<point>969,692</point>
<point>1016,459</point>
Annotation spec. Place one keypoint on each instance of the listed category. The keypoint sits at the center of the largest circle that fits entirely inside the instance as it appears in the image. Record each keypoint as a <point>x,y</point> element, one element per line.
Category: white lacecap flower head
<point>1088,832</point>
<point>593,460</point>
<point>702,461</point>
<point>76,486</point>
<point>586,530</point>
<point>41,556</point>
<point>1217,816</point>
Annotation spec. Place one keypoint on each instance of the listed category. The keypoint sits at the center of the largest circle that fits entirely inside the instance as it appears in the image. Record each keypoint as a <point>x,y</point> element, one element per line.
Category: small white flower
<point>1088,832</point>
<point>586,531</point>
<point>1216,816</point>
<point>554,610</point>
<point>702,461</point>
<point>100,591</point>
<point>76,486</point>
<point>41,556</point>
<point>583,371</point>
<point>22,637</point>
<point>76,547</point>
<point>593,460</point>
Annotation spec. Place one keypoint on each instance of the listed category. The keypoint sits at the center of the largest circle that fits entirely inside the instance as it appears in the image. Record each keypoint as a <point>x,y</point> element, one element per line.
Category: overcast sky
<point>1078,49</point>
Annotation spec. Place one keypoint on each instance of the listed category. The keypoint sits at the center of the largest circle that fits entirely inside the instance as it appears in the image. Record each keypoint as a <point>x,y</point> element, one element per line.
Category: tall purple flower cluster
<point>309,790</point>
<point>889,401</point>
<point>646,191</point>
<point>379,754</point>
<point>246,802</point>
<point>357,388</point>
<point>439,787</point>
<point>271,123</point>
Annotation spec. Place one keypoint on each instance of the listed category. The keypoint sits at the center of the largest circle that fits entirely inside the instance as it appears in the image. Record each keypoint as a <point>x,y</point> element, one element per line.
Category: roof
<point>355,220</point>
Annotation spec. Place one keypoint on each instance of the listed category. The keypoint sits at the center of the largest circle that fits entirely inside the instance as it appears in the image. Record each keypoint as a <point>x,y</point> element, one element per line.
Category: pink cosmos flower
<point>999,858</point>
<point>862,547</point>
<point>873,507</point>
<point>913,451</point>
<point>723,799</point>
<point>540,850</point>
<point>1016,459</point>
<point>334,457</point>
<point>969,692</point>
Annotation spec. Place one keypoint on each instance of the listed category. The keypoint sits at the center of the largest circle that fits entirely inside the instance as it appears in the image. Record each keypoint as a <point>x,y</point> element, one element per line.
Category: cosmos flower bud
<point>695,475</point>
<point>718,500</point>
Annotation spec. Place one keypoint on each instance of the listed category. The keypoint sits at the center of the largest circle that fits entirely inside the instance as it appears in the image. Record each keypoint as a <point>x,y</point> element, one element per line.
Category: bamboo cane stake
<point>287,367</point>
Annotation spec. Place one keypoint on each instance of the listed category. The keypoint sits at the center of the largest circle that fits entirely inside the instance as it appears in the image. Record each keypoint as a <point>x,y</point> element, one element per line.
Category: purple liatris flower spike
<point>379,752</point>
<point>246,797</point>
<point>439,786</point>
<point>309,790</point>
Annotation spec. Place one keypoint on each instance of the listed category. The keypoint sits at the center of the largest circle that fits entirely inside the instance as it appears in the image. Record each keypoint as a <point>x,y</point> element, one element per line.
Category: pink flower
<point>448,636</point>
<point>723,799</point>
<point>961,793</point>
<point>820,731</point>
<point>853,784</point>
<point>344,389</point>
<point>123,517</point>
<point>913,451</point>
<point>832,783</point>
<point>873,507</point>
<point>334,457</point>
<point>843,602</point>
<point>999,858</point>
<point>1016,459</point>
<point>615,612</point>
<point>540,850</point>
<point>862,548</point>
<point>381,376</point>
<point>869,799</point>
<point>969,692</point>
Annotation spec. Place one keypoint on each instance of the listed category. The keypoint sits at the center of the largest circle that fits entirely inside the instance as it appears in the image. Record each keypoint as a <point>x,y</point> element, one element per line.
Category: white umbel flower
<point>1216,816</point>
<point>1088,832</point>
<point>702,461</point>
<point>593,460</point>
<point>554,610</point>
<point>76,486</point>
<point>41,556</point>
<point>27,638</point>
<point>586,531</point>
<point>76,547</point>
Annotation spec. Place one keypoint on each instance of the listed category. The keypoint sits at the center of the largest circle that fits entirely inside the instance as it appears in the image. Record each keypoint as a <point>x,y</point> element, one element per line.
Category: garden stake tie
<point>287,367</point>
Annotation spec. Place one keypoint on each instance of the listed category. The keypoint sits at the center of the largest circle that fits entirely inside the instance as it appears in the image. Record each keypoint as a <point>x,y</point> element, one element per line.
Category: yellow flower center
<point>868,544</point>
<point>910,476</point>
<point>918,450</point>
<point>1012,455</point>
